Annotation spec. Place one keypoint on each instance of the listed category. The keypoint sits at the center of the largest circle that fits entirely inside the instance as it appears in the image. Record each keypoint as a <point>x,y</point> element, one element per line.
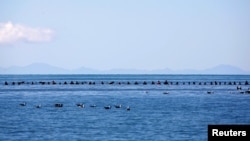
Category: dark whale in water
<point>248,91</point>
<point>107,107</point>
<point>118,106</point>
<point>38,106</point>
<point>23,104</point>
<point>80,105</point>
<point>58,105</point>
<point>165,92</point>
<point>210,92</point>
<point>93,106</point>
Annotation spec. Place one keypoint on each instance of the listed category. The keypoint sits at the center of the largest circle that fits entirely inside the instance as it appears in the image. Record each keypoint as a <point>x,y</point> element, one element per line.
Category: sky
<point>125,34</point>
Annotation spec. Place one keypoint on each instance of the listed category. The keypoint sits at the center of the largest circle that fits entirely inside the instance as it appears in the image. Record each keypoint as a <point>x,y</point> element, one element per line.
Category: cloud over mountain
<point>11,33</point>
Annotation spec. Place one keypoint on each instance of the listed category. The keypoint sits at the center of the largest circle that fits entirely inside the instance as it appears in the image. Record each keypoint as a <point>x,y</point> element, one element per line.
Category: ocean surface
<point>178,110</point>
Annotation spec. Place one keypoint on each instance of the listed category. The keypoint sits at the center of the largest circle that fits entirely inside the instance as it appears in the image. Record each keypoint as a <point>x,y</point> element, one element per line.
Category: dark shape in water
<point>241,92</point>
<point>93,106</point>
<point>53,82</point>
<point>165,82</point>
<point>128,108</point>
<point>246,83</point>
<point>80,105</point>
<point>238,88</point>
<point>118,106</point>
<point>248,91</point>
<point>38,106</point>
<point>165,92</point>
<point>41,82</point>
<point>112,82</point>
<point>158,82</point>
<point>210,92</point>
<point>23,104</point>
<point>58,105</point>
<point>107,107</point>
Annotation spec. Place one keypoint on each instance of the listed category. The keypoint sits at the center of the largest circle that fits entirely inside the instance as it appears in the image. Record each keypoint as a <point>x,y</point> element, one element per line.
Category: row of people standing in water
<point>127,83</point>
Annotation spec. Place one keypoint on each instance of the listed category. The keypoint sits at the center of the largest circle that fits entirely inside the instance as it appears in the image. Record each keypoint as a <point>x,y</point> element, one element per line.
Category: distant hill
<point>36,68</point>
<point>220,69</point>
<point>227,69</point>
<point>41,68</point>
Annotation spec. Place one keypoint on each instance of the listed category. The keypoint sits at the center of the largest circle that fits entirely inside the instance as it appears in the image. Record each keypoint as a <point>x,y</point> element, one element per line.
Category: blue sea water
<point>181,115</point>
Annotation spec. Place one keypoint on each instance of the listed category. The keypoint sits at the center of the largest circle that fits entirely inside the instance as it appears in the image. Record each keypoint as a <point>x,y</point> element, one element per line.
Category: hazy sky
<point>138,34</point>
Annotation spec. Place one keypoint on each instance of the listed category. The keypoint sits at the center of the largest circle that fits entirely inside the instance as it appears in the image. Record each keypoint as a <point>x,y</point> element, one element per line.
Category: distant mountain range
<point>40,68</point>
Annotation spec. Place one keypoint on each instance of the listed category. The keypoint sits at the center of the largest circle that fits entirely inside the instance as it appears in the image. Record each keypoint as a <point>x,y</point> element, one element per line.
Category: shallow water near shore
<point>182,114</point>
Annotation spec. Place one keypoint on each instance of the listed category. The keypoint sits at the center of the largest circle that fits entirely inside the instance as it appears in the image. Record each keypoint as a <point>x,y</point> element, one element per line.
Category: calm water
<point>181,115</point>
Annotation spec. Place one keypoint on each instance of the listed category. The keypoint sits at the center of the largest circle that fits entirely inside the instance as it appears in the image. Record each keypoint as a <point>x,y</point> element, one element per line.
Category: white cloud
<point>10,33</point>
